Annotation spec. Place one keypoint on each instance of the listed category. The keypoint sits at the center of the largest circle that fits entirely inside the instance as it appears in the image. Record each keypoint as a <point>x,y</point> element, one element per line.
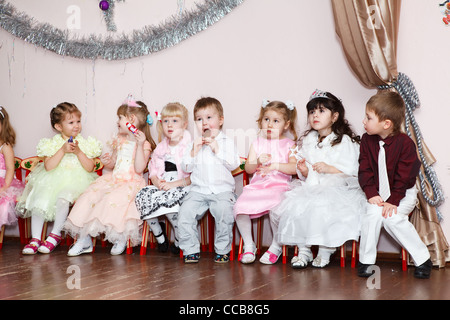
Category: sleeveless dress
<point>9,196</point>
<point>67,181</point>
<point>107,206</point>
<point>265,193</point>
<point>324,209</point>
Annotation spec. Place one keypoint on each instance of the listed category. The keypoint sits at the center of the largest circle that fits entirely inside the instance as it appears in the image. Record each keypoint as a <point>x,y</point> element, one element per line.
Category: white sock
<point>37,223</point>
<point>62,210</point>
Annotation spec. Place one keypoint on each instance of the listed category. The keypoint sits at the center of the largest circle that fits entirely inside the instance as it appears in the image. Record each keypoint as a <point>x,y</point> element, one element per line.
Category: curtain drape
<point>368,31</point>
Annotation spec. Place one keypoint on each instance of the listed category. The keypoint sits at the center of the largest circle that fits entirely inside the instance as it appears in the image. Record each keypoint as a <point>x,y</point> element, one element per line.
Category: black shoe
<point>424,270</point>
<point>163,247</point>
<point>363,270</point>
<point>174,249</point>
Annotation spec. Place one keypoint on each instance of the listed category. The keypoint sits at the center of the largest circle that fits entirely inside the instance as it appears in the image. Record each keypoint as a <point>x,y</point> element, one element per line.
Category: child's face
<point>273,124</point>
<point>70,126</point>
<point>122,124</point>
<point>372,125</point>
<point>208,119</point>
<point>321,119</point>
<point>173,128</point>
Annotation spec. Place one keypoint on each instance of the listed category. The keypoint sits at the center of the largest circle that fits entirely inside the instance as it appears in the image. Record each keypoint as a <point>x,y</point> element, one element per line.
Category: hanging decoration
<point>148,40</point>
<point>108,12</point>
<point>407,91</point>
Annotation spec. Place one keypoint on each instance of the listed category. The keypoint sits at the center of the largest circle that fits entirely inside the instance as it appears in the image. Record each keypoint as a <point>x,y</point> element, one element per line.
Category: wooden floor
<point>159,276</point>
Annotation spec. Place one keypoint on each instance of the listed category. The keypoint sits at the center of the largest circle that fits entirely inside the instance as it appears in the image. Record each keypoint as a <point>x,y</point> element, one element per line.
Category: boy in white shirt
<point>210,161</point>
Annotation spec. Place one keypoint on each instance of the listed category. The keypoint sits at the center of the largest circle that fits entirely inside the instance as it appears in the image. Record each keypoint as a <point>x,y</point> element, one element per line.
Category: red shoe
<point>47,246</point>
<point>32,246</point>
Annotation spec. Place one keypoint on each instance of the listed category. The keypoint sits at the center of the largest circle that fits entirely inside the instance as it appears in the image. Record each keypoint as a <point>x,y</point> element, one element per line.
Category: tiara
<point>290,105</point>
<point>129,101</point>
<point>321,94</point>
<point>318,94</point>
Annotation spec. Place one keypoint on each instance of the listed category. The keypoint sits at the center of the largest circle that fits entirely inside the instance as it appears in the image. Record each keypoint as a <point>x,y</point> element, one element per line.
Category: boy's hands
<point>388,208</point>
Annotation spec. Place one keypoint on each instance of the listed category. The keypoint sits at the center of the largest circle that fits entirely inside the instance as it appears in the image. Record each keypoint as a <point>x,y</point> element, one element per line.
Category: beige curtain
<point>368,32</point>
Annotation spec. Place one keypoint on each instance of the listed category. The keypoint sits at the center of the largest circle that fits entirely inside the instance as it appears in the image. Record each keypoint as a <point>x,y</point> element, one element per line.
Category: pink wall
<point>264,49</point>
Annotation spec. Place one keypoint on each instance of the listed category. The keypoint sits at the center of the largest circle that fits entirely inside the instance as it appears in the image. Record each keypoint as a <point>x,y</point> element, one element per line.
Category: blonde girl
<point>272,166</point>
<point>170,183</point>
<point>107,206</point>
<point>10,186</point>
<point>55,183</point>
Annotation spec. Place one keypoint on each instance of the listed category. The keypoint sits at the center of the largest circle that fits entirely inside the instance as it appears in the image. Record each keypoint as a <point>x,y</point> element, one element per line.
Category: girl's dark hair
<point>341,126</point>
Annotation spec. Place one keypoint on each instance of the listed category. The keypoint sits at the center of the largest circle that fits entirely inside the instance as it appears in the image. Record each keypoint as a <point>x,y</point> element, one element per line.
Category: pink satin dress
<point>265,193</point>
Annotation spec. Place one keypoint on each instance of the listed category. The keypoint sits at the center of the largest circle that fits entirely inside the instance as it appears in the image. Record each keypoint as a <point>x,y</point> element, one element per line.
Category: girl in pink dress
<point>10,187</point>
<point>272,166</point>
<point>107,206</point>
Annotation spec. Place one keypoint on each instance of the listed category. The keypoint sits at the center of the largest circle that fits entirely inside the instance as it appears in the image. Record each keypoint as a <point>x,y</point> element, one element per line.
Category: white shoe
<point>323,257</point>
<point>301,260</point>
<point>249,255</point>
<point>118,248</point>
<point>80,247</point>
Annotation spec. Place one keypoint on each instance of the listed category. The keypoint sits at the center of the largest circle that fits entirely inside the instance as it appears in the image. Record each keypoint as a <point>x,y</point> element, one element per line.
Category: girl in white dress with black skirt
<point>169,182</point>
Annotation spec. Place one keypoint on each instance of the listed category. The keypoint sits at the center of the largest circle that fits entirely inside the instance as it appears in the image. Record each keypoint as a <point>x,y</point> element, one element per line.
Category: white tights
<point>156,227</point>
<point>37,222</point>
<point>244,224</point>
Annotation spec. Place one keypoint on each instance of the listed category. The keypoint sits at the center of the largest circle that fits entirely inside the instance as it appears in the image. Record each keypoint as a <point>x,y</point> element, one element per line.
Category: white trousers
<point>398,227</point>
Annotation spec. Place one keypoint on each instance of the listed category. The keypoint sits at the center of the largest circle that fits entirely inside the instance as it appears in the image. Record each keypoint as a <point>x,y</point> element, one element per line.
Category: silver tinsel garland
<point>149,40</point>
<point>407,91</point>
<point>109,15</point>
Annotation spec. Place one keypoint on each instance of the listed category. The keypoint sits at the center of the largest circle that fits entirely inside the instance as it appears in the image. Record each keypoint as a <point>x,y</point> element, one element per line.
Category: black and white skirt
<point>152,202</point>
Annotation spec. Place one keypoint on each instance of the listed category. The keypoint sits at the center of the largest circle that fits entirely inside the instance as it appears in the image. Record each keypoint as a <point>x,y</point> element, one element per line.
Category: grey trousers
<point>193,208</point>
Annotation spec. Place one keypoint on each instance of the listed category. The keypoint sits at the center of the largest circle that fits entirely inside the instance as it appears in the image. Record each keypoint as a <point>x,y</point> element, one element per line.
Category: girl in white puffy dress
<point>323,207</point>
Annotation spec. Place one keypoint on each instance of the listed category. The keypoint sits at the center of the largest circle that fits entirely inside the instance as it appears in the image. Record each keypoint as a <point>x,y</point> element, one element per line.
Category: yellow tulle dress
<point>67,181</point>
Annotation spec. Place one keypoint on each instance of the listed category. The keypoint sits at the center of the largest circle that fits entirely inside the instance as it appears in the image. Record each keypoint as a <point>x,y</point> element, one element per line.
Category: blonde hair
<point>281,108</point>
<point>7,134</point>
<point>141,114</point>
<point>172,109</point>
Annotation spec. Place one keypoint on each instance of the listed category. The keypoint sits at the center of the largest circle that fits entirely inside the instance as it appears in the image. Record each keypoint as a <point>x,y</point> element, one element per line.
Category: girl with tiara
<point>10,187</point>
<point>272,166</point>
<point>107,206</point>
<point>170,183</point>
<point>55,183</point>
<point>324,207</point>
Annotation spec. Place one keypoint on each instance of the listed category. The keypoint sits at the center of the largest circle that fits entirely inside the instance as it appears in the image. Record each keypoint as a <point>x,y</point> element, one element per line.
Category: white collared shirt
<point>210,172</point>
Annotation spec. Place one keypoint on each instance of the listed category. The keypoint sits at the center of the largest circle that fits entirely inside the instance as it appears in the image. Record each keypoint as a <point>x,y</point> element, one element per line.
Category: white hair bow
<point>290,105</point>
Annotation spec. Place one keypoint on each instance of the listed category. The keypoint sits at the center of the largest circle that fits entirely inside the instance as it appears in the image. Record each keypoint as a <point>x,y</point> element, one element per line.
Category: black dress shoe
<point>163,247</point>
<point>363,270</point>
<point>424,270</point>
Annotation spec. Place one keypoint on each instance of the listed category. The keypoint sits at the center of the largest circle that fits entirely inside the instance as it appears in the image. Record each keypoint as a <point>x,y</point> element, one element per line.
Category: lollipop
<point>70,139</point>
<point>131,127</point>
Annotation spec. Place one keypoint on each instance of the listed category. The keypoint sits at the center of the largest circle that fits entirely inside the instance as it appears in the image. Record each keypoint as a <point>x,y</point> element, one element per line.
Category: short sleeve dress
<point>67,181</point>
<point>264,193</point>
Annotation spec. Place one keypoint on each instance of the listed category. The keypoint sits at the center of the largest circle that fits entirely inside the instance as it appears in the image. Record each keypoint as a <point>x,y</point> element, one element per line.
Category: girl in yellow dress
<point>55,183</point>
